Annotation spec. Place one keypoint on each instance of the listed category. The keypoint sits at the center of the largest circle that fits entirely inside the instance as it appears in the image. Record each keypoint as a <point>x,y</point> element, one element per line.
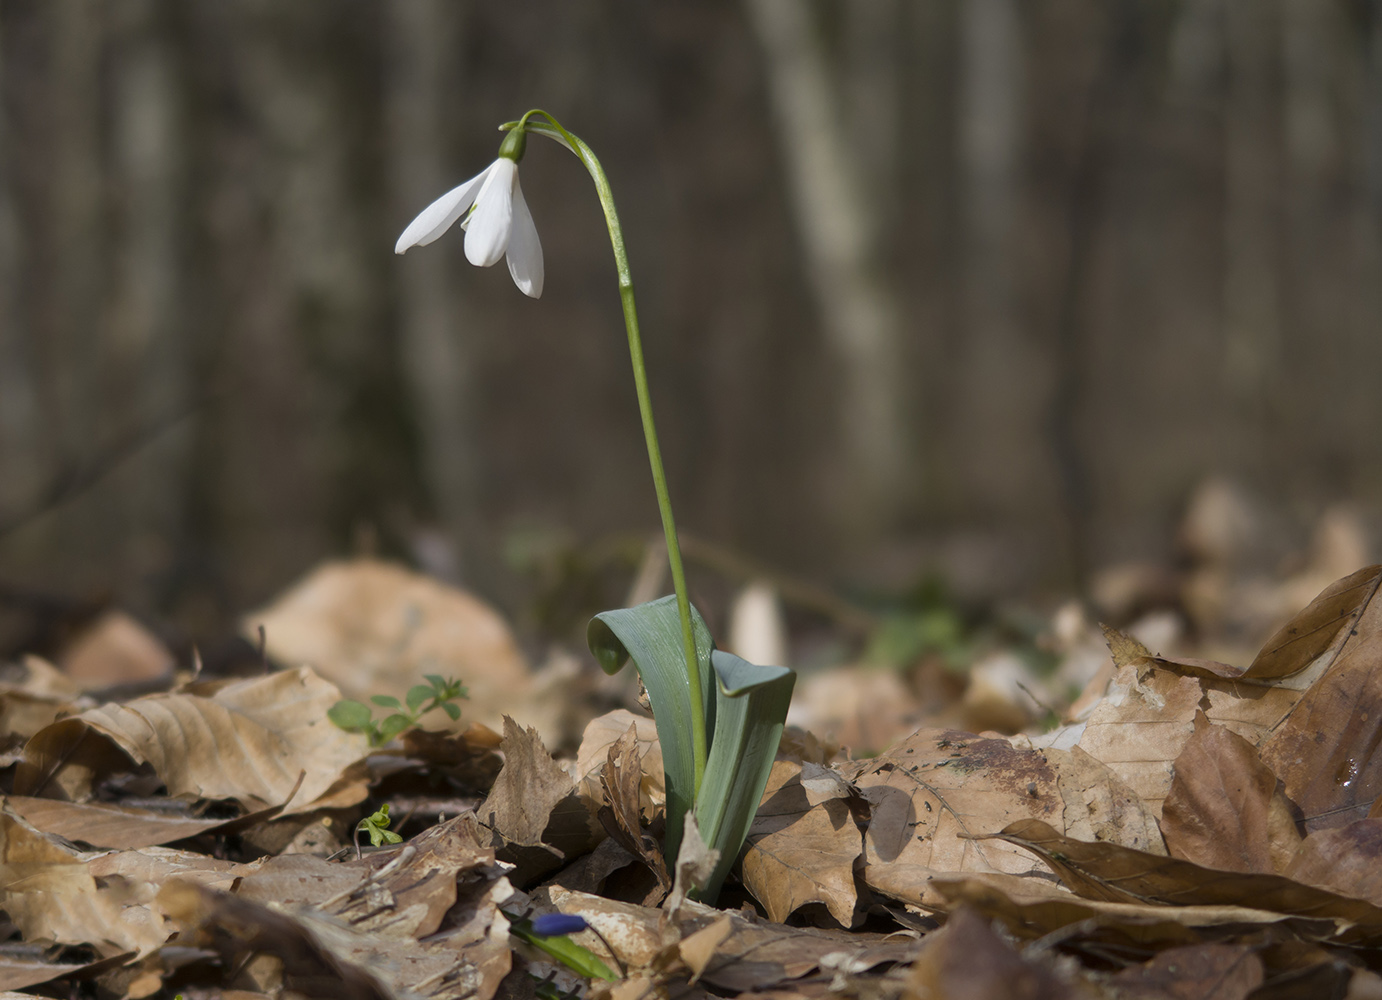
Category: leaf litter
<point>1206,831</point>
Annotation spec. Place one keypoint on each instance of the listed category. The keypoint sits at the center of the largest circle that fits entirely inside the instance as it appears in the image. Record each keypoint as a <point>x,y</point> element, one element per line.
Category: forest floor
<point>1068,814</point>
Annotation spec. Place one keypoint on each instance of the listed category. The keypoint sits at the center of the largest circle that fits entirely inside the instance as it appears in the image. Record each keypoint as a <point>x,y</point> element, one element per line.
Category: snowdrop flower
<point>498,224</point>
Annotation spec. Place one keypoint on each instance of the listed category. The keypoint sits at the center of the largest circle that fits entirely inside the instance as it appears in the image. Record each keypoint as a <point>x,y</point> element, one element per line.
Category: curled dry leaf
<point>1325,750</point>
<point>1119,874</point>
<point>798,852</point>
<point>933,793</point>
<point>965,958</point>
<point>620,780</point>
<point>1224,809</point>
<point>251,741</point>
<point>1033,907</point>
<point>602,732</point>
<point>33,693</point>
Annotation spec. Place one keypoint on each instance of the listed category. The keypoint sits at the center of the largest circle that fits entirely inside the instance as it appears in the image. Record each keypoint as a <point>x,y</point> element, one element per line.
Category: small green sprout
<point>377,826</point>
<point>357,717</point>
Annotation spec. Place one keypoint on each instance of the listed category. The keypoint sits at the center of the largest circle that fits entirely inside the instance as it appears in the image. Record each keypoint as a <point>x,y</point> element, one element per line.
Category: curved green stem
<point>645,408</point>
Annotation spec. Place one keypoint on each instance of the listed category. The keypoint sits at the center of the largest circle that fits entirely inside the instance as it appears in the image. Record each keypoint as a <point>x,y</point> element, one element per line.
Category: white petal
<point>439,216</point>
<point>487,236</point>
<point>525,251</point>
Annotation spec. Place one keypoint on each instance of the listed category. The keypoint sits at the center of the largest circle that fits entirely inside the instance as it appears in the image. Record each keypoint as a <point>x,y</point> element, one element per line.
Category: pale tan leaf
<point>602,732</point>
<point>1141,725</point>
<point>33,693</point>
<point>250,741</point>
<point>373,627</point>
<point>51,896</point>
<point>798,853</point>
<point>937,789</point>
<point>114,650</point>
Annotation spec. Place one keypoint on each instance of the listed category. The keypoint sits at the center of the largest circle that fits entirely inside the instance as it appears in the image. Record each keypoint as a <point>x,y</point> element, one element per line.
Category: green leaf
<point>351,716</point>
<point>386,701</point>
<point>377,826</point>
<point>392,726</point>
<point>579,960</point>
<point>751,708</point>
<point>650,635</point>
<point>452,710</point>
<point>436,680</point>
<point>417,694</point>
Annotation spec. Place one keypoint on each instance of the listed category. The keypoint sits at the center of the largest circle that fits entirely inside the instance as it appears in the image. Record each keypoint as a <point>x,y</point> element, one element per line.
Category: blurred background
<point>975,297</point>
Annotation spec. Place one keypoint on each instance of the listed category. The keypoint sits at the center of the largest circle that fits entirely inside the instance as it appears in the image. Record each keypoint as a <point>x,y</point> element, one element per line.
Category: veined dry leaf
<point>105,824</point>
<point>965,958</point>
<point>1343,859</point>
<point>1033,907</point>
<point>798,853</point>
<point>1325,750</point>
<point>936,790</point>
<point>604,731</point>
<point>252,741</point>
<point>372,628</point>
<point>1141,725</point>
<point>1195,972</point>
<point>520,805</point>
<point>1321,629</point>
<point>1223,810</point>
<point>620,782</point>
<point>51,896</point>
<point>1120,874</point>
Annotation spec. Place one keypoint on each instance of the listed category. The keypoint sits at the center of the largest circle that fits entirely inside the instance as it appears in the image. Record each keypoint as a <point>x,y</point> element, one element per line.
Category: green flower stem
<point>645,409</point>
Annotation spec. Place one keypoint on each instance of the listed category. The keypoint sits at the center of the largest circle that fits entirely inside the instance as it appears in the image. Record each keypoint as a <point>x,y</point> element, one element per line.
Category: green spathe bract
<point>746,714</point>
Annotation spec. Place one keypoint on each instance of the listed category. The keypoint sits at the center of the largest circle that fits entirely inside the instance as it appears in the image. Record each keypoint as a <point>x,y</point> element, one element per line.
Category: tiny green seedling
<point>357,717</point>
<point>377,826</point>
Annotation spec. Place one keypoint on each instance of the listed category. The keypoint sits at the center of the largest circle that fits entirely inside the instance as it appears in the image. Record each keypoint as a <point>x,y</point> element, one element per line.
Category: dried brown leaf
<point>1119,874</point>
<point>931,793</point>
<point>531,784</point>
<point>251,741</point>
<point>798,853</point>
<point>1218,813</point>
<point>620,780</point>
<point>1033,907</point>
<point>1195,972</point>
<point>33,693</point>
<point>600,734</point>
<point>1344,859</point>
<point>1321,629</point>
<point>966,960</point>
<point>1325,750</point>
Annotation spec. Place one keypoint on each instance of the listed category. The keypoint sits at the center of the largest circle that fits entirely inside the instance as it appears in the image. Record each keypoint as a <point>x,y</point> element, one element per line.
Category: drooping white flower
<point>498,225</point>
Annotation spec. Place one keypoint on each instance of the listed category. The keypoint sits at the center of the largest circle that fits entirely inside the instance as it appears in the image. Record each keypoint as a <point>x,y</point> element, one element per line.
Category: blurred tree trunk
<point>75,250</point>
<point>1252,245</point>
<point>147,377</point>
<point>19,431</point>
<point>423,39</point>
<point>839,231</point>
<point>998,395</point>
